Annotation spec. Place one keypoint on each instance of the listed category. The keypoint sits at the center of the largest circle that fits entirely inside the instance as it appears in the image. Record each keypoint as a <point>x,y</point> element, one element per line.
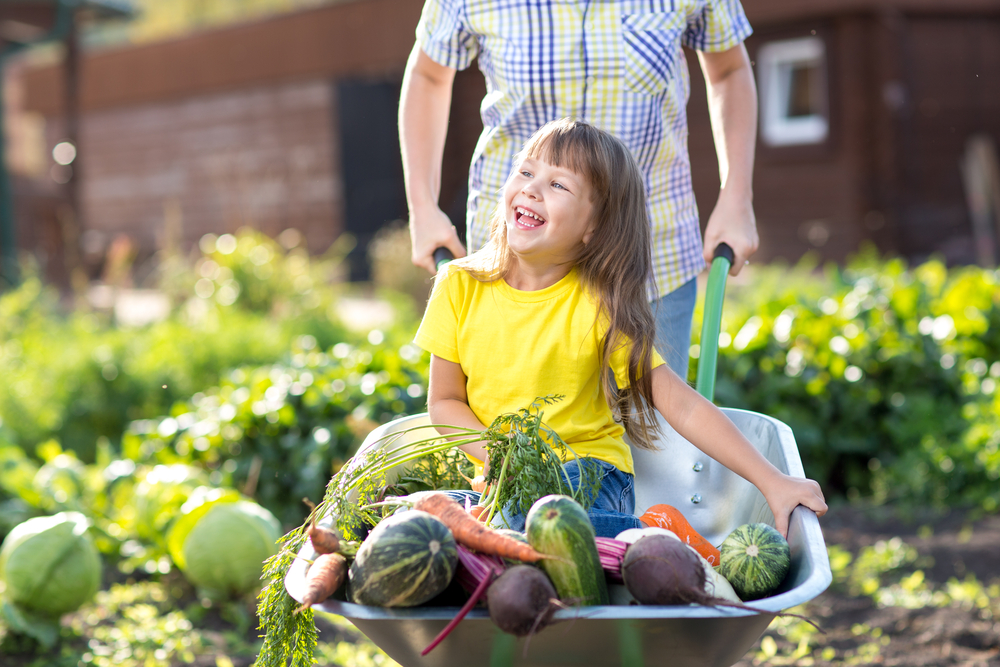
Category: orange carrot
<point>474,534</point>
<point>324,540</point>
<point>669,517</point>
<point>476,511</point>
<point>324,577</point>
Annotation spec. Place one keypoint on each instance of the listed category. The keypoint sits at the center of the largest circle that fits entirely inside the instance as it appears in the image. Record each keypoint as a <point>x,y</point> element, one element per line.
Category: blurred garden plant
<point>279,432</point>
<point>76,377</point>
<point>887,375</point>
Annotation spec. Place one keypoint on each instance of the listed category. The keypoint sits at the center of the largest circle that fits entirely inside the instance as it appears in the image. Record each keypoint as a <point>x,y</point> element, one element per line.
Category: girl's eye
<point>526,174</point>
<point>558,185</point>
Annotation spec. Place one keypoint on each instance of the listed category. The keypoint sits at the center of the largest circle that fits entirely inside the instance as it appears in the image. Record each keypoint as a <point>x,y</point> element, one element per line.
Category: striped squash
<point>406,560</point>
<point>755,559</point>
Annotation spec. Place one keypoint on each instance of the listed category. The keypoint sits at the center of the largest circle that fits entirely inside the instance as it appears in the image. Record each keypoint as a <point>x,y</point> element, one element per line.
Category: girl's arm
<point>702,424</point>
<point>448,403</point>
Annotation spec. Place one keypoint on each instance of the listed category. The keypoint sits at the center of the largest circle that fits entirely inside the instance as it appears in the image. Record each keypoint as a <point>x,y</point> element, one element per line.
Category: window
<point>793,100</point>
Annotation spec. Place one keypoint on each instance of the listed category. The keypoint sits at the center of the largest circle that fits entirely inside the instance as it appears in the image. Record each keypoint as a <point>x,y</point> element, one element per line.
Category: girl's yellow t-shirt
<point>516,346</point>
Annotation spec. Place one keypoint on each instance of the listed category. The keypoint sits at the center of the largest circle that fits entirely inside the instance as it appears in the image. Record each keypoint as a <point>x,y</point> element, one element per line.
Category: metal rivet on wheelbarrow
<point>696,498</point>
<point>698,466</point>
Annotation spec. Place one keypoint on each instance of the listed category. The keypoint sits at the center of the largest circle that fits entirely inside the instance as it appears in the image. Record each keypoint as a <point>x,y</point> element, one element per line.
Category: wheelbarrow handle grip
<point>723,250</point>
<point>441,257</point>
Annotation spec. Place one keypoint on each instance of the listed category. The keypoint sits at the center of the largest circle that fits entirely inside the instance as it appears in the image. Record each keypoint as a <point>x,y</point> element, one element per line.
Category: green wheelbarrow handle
<point>715,294</point>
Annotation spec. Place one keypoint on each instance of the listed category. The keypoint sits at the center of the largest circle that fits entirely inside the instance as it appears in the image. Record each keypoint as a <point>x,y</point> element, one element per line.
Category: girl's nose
<point>530,189</point>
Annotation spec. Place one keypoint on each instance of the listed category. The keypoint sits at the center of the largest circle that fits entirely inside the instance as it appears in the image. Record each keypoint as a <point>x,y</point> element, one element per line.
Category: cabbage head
<point>49,565</point>
<point>221,540</point>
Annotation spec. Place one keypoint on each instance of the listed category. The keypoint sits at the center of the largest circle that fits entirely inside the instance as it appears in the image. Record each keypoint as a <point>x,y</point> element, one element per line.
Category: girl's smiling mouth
<point>525,217</point>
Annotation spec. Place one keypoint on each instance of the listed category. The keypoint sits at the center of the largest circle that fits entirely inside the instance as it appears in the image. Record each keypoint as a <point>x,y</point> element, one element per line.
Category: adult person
<point>617,64</point>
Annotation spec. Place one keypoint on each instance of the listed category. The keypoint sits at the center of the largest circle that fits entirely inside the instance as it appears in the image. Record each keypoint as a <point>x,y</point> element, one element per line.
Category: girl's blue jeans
<point>611,513</point>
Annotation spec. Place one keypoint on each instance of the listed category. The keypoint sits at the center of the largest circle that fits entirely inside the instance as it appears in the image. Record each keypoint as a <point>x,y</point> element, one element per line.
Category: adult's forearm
<point>424,105</point>
<point>732,103</point>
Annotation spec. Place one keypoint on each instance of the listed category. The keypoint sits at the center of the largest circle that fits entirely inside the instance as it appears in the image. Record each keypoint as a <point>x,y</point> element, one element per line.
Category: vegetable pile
<point>427,547</point>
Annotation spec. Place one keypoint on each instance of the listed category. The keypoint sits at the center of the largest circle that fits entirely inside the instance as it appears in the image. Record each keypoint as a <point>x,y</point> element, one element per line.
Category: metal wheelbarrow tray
<point>713,499</point>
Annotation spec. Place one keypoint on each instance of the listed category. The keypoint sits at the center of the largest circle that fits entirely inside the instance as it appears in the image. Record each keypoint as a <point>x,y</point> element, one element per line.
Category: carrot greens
<point>525,463</point>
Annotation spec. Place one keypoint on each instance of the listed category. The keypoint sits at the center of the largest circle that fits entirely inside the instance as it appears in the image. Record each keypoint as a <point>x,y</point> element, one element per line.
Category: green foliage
<point>279,432</point>
<point>81,376</point>
<point>887,375</point>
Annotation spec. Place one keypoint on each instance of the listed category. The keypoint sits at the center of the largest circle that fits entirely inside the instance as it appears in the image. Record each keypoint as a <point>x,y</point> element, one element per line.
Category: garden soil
<point>949,547</point>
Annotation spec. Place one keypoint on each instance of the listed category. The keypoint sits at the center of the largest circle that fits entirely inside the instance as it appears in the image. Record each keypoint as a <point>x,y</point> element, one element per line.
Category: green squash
<point>755,559</point>
<point>406,560</point>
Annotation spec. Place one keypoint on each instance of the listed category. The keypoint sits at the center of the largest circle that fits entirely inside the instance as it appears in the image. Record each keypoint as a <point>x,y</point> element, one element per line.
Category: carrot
<point>669,517</point>
<point>324,540</point>
<point>476,512</point>
<point>324,577</point>
<point>472,533</point>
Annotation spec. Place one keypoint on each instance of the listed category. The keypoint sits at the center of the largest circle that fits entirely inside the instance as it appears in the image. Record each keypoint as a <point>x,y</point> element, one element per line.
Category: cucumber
<point>558,526</point>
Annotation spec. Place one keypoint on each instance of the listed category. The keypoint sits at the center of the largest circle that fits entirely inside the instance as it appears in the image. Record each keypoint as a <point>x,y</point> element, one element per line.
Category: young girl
<point>556,303</point>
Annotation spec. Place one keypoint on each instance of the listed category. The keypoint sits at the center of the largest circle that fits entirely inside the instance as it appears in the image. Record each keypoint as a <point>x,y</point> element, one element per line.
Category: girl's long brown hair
<point>616,265</point>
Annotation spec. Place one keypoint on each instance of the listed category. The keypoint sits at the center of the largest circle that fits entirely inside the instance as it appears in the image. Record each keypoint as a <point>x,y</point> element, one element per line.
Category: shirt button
<point>590,26</point>
<point>590,80</point>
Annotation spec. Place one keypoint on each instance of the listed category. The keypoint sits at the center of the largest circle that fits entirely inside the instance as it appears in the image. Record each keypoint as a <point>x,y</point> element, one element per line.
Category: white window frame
<point>773,60</point>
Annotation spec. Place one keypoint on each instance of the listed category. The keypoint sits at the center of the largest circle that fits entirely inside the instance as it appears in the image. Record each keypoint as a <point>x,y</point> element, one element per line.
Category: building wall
<point>222,128</point>
<point>805,197</point>
<point>906,92</point>
<point>239,126</point>
<point>264,157</point>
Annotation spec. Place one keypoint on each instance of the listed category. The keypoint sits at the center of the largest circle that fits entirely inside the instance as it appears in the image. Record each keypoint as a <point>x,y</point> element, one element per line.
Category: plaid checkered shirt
<point>616,64</point>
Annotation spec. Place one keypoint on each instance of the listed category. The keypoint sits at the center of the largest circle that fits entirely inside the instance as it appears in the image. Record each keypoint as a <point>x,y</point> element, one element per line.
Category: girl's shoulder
<point>458,278</point>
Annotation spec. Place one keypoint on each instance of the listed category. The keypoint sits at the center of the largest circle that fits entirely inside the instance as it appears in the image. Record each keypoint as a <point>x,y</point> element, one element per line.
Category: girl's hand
<point>787,493</point>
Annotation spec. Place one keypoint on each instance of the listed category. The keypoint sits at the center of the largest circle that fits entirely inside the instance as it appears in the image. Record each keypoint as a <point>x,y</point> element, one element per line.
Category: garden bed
<point>921,629</point>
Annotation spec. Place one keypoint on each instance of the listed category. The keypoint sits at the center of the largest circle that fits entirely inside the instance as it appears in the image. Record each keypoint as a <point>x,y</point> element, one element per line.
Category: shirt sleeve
<point>619,364</point>
<point>444,35</point>
<point>438,331</point>
<point>718,26</point>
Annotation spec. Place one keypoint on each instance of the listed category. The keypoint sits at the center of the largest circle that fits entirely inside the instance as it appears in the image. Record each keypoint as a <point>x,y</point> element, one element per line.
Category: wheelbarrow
<point>713,499</point>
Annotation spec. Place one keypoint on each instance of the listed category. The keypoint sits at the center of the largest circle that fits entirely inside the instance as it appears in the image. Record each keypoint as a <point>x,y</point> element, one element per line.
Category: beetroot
<point>522,600</point>
<point>661,570</point>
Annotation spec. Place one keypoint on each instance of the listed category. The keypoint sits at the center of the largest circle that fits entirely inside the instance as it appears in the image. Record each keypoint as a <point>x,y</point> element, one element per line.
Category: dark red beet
<point>661,570</point>
<point>522,600</point>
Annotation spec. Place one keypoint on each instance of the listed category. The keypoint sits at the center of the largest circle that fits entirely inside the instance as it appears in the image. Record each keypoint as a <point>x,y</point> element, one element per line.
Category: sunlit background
<point>205,277</point>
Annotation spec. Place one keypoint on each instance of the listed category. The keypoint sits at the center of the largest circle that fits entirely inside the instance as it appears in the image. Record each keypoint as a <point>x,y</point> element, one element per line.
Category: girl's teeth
<point>526,214</point>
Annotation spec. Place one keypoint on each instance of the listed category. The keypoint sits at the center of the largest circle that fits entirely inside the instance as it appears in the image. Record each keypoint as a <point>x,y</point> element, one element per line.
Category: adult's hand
<point>732,105</point>
<point>429,230</point>
<point>733,222</point>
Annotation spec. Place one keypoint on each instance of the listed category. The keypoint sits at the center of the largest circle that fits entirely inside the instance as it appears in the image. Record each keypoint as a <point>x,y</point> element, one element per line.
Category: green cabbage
<point>220,542</point>
<point>49,565</point>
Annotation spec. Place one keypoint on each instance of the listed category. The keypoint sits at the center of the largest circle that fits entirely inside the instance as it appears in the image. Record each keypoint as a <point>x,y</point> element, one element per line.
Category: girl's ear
<point>589,234</point>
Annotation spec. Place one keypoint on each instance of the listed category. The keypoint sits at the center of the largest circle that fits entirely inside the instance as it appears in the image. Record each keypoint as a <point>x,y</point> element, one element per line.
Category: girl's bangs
<point>561,146</point>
